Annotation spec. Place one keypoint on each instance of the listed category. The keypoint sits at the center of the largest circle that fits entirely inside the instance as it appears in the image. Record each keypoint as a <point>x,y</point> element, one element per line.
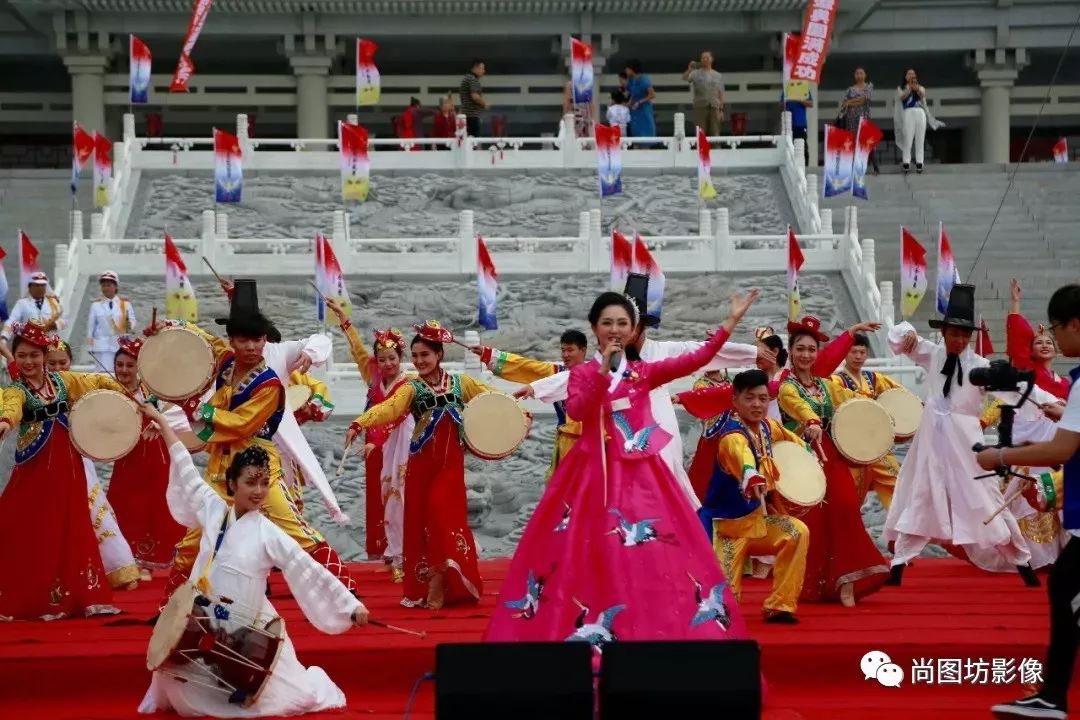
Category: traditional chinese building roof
<point>413,7</point>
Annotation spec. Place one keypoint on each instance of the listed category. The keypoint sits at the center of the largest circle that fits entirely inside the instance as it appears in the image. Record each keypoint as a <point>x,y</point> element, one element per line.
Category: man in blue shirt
<point>1064,584</point>
<point>797,108</point>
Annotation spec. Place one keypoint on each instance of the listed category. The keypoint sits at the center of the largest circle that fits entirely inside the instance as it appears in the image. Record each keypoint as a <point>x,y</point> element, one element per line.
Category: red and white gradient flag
<point>184,66</point>
<point>622,260</point>
<point>795,260</point>
<point>28,260</point>
<point>1061,151</point>
<point>912,273</point>
<point>103,169</point>
<point>368,81</point>
<point>487,286</point>
<point>180,300</point>
<point>706,189</point>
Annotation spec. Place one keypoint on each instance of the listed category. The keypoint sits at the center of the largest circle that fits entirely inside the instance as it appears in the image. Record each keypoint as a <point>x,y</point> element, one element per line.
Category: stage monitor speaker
<point>523,681</point>
<point>650,680</point>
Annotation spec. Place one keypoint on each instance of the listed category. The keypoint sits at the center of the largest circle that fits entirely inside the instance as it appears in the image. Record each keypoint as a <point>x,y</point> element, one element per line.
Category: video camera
<point>1002,377</point>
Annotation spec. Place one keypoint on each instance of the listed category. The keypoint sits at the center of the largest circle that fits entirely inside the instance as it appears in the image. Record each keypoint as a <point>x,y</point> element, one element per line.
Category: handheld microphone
<point>615,361</point>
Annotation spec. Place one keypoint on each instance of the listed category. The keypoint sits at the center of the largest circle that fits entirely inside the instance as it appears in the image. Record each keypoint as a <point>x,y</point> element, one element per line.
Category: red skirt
<point>374,512</point>
<point>52,567</point>
<point>841,550</point>
<point>137,496</point>
<point>437,537</point>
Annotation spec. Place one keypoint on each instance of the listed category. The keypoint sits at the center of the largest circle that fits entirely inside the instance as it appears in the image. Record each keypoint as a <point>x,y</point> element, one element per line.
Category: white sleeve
<point>131,317</point>
<point>191,501</point>
<point>731,355</point>
<point>924,349</point>
<point>176,418</point>
<point>552,388</point>
<point>1071,419</point>
<point>317,347</point>
<point>326,603</point>
<point>91,323</point>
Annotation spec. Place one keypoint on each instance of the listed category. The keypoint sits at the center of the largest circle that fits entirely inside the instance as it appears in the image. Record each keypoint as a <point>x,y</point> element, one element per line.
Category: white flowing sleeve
<point>924,349</point>
<point>192,502</point>
<point>176,418</point>
<point>325,601</point>
<point>318,348</point>
<point>731,355</point>
<point>552,388</point>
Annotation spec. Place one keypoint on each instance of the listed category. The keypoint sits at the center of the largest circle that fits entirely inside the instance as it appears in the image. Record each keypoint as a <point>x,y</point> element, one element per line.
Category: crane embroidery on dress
<point>711,607</point>
<point>564,524</point>
<point>595,633</point>
<point>530,603</point>
<point>634,533</point>
<point>632,441</point>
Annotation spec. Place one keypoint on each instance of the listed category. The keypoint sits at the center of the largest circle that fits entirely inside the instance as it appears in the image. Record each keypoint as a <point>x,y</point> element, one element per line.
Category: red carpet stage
<point>94,669</point>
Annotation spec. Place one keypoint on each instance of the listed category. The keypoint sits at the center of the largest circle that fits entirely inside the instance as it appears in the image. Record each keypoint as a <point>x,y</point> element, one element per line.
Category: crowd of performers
<point>622,527</point>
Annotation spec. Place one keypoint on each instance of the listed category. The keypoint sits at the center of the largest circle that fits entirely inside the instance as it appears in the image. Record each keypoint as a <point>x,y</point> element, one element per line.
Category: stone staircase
<point>1036,237</point>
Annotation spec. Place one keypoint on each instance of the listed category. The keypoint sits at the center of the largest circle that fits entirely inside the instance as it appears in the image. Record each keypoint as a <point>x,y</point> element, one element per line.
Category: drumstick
<point>153,319</point>
<point>1007,503</point>
<point>212,269</point>
<point>317,291</point>
<point>341,465</point>
<point>415,633</point>
<point>124,389</point>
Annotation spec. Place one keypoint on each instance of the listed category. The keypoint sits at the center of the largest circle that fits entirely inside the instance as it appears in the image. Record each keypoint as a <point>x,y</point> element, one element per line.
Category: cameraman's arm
<point>1056,451</point>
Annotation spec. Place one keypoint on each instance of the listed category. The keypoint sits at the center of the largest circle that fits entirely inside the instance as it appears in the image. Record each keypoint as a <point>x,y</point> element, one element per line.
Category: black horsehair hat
<point>244,319</point>
<point>637,289</point>
<point>961,310</point>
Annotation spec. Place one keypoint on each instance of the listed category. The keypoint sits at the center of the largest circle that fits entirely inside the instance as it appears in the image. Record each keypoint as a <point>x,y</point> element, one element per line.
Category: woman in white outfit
<point>239,548</point>
<point>911,117</point>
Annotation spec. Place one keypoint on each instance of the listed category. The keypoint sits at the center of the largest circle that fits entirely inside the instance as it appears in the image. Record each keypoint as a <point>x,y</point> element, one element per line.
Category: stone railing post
<point>466,243</point>
<point>812,203</point>
<point>569,141</point>
<point>599,255</point>
<point>869,261</point>
<point>471,363</point>
<point>888,310</point>
<point>339,241</point>
<point>853,222</point>
<point>723,245</point>
<point>129,127</point>
<point>704,223</point>
<point>76,226</point>
<point>826,221</point>
<point>221,225</point>
<point>97,226</point>
<point>208,236</point>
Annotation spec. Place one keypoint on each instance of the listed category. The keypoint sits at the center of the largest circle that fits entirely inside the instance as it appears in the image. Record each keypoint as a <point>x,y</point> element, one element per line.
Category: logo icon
<point>877,665</point>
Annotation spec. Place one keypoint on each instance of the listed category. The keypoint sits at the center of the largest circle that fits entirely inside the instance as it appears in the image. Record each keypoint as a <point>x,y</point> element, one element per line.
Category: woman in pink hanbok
<point>614,550</point>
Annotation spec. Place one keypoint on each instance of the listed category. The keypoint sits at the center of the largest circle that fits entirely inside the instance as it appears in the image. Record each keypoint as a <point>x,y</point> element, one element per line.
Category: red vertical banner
<point>814,44</point>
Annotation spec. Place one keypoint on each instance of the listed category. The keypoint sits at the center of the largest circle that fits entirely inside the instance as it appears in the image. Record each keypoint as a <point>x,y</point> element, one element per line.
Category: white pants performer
<point>914,134</point>
<point>116,555</point>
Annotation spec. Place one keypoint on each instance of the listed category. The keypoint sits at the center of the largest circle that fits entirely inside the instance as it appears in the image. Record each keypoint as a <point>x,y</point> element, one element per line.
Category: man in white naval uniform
<point>283,358</point>
<point>111,316</point>
<point>732,355</point>
<point>39,305</point>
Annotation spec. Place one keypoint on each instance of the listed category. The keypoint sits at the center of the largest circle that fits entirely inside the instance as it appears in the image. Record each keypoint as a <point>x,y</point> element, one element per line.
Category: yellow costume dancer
<point>732,510</point>
<point>880,476</point>
<point>520,369</point>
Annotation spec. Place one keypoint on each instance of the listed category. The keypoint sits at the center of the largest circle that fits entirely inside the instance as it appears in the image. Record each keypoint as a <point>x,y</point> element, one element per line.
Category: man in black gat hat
<point>937,498</point>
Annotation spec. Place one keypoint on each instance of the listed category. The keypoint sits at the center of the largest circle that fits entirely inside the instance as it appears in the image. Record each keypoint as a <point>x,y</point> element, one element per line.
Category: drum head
<point>494,425</point>
<point>862,431</point>
<point>905,410</point>
<point>105,425</point>
<point>176,364</point>
<point>170,626</point>
<point>802,479</point>
<point>296,396</point>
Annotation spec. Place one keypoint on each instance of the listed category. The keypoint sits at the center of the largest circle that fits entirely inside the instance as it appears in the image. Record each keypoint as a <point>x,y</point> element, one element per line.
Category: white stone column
<point>997,71</point>
<point>88,90</point>
<point>312,95</point>
<point>813,127</point>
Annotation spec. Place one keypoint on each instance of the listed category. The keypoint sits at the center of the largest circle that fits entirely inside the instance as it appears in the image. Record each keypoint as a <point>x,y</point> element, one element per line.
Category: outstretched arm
<point>707,402</point>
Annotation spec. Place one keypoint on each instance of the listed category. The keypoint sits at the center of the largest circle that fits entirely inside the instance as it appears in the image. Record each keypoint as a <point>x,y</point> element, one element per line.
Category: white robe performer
<point>282,358</point>
<point>251,546</point>
<point>937,498</point>
<point>732,355</point>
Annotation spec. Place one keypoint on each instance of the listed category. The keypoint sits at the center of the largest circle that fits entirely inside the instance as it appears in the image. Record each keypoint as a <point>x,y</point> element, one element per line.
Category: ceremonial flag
<point>622,260</point>
<point>645,264</point>
<point>1061,151</point>
<point>355,165</point>
<point>3,288</point>
<point>793,89</point>
<point>329,279</point>
<point>180,300</point>
<point>866,139</point>
<point>102,169</point>
<point>912,273</point>
<point>139,71</point>
<point>706,189</point>
<point>82,147</point>
<point>487,286</point>
<point>609,159</point>
<point>28,260</point>
<point>795,261</point>
<point>947,273</point>
<point>839,158</point>
<point>581,72</point>
<point>228,167</point>
<point>184,66</point>
<point>814,43</point>
<point>983,346</point>
<point>368,83</point>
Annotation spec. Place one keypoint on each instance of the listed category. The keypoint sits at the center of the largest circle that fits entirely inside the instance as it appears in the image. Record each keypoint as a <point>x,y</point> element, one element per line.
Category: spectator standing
<point>707,94</point>
<point>445,121</point>
<point>473,103</point>
<point>910,119</point>
<point>638,85</point>
<point>856,105</point>
<point>584,114</point>
<point>618,112</point>
<point>797,108</point>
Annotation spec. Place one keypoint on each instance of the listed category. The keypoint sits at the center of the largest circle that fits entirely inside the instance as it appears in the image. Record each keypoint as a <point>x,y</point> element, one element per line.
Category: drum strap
<point>48,412</point>
<point>204,579</point>
<point>425,404</point>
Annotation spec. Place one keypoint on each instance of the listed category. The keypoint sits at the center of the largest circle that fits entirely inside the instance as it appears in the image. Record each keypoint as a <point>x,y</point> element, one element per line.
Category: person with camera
<point>1064,583</point>
<point>937,499</point>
